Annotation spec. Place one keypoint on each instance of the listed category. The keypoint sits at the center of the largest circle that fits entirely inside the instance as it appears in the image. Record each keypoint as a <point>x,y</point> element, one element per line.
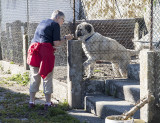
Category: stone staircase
<point>113,97</point>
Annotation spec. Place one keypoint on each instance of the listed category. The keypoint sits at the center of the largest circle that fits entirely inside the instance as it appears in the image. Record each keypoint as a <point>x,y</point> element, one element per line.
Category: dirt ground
<point>14,87</point>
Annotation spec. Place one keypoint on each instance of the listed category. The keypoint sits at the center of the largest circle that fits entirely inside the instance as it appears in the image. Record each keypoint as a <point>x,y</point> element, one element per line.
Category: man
<point>41,55</point>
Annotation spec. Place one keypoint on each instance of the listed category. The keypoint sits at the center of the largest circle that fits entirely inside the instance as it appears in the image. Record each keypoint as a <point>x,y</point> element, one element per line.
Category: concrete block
<point>150,82</point>
<point>74,76</point>
<point>133,71</point>
<point>104,106</point>
<point>128,90</point>
<point>94,87</point>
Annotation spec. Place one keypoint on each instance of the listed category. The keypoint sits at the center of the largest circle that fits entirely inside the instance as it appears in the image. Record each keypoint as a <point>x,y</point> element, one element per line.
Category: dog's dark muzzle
<point>79,33</point>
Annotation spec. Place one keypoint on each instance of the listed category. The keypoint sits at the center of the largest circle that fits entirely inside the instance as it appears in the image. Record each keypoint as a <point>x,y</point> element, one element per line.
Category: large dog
<point>97,47</point>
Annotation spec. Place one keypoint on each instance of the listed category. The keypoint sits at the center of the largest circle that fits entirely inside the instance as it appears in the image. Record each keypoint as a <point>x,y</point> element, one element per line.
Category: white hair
<point>56,14</point>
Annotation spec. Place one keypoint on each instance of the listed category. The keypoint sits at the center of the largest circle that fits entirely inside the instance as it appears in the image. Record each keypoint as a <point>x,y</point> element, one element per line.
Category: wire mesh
<point>125,21</point>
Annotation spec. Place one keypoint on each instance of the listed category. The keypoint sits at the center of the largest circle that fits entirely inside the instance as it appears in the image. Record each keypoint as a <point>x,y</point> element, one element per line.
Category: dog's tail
<point>133,52</point>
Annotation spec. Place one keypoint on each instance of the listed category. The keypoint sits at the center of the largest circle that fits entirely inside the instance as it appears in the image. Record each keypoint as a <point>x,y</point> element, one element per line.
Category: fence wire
<point>125,21</point>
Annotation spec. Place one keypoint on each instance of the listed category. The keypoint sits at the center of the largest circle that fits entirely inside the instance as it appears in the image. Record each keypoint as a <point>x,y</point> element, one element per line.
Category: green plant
<point>16,108</point>
<point>96,71</point>
<point>20,79</point>
<point>8,71</point>
<point>1,68</point>
<point>64,105</point>
<point>154,2</point>
<point>55,112</point>
<point>12,62</point>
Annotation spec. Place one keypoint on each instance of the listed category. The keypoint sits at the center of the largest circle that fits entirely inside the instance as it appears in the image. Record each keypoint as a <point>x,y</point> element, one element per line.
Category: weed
<point>8,71</point>
<point>96,71</point>
<point>42,92</point>
<point>55,112</point>
<point>2,89</point>
<point>12,62</point>
<point>20,79</point>
<point>15,110</point>
<point>64,105</point>
<point>1,68</point>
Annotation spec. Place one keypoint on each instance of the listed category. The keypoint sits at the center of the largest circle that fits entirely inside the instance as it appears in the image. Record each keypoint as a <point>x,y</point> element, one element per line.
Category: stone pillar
<point>25,49</point>
<point>74,75</point>
<point>150,82</point>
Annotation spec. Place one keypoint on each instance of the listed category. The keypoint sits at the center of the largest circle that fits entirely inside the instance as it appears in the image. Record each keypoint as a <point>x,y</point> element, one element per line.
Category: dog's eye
<point>79,28</point>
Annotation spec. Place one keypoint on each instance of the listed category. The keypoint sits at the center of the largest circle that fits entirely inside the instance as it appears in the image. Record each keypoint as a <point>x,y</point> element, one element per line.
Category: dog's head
<point>84,30</point>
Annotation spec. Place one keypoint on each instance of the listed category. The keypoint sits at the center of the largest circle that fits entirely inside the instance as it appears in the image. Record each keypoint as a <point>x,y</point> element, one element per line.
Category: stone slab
<point>126,89</point>
<point>104,106</point>
<point>133,71</point>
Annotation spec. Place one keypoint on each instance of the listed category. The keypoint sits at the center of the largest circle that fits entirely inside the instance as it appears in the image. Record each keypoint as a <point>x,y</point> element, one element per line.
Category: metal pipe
<point>151,26</point>
<point>27,18</point>
<point>74,18</point>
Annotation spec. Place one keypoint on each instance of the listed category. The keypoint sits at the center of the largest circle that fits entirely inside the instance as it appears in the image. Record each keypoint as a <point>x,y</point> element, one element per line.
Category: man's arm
<point>66,37</point>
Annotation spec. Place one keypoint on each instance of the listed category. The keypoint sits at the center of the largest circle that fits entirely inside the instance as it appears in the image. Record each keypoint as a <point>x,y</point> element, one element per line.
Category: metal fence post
<point>74,17</point>
<point>0,30</point>
<point>151,25</point>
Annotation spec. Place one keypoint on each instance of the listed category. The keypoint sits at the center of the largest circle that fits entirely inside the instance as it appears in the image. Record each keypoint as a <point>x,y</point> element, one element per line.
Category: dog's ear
<point>88,28</point>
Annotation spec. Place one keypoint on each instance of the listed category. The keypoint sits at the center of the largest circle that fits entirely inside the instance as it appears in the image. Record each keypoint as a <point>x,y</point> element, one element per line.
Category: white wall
<point>41,9</point>
<point>38,10</point>
<point>13,10</point>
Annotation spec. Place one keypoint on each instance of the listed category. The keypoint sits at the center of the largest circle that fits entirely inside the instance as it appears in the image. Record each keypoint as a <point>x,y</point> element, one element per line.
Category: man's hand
<point>69,37</point>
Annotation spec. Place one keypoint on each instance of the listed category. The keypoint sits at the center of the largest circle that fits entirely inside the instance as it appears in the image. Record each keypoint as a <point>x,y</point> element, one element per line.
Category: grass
<point>20,79</point>
<point>14,106</point>
<point>15,110</point>
<point>1,68</point>
<point>12,62</point>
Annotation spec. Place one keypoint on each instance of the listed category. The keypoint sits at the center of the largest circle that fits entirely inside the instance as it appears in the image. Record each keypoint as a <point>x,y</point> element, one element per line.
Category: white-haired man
<point>41,55</point>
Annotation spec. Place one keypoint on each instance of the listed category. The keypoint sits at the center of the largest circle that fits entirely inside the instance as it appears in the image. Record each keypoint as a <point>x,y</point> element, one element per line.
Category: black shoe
<point>31,105</point>
<point>46,106</point>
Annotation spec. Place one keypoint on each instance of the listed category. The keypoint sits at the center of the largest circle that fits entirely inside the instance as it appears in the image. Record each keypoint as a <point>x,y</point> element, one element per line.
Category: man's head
<point>58,16</point>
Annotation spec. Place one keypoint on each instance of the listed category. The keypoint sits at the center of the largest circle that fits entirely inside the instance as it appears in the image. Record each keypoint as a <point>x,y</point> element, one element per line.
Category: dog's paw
<point>89,76</point>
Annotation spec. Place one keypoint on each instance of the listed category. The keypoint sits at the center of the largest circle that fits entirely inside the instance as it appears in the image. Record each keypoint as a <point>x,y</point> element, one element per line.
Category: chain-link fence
<point>22,17</point>
<point>130,23</point>
<point>126,21</point>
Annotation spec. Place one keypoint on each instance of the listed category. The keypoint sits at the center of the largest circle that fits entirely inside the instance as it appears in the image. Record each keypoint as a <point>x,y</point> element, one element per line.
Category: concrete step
<point>133,71</point>
<point>85,117</point>
<point>128,90</point>
<point>94,86</point>
<point>103,106</point>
